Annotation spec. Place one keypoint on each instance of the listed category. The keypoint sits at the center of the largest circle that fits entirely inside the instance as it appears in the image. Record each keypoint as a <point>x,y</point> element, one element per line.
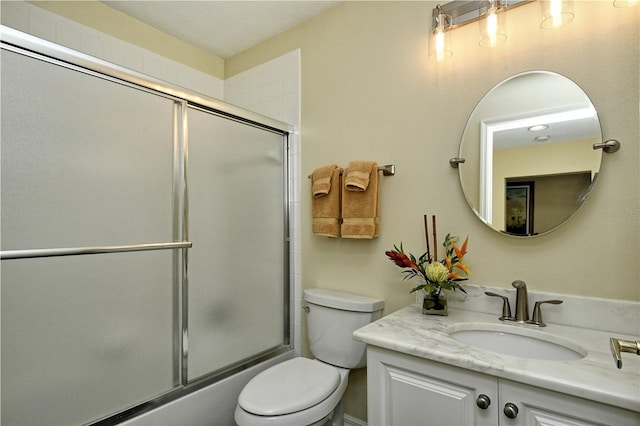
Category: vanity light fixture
<point>556,13</point>
<point>492,18</point>
<point>440,42</point>
<point>492,23</point>
<point>490,14</point>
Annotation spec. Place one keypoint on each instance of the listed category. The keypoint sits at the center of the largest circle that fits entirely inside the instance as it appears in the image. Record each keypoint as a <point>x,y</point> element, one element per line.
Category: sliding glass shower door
<point>235,268</point>
<point>144,242</point>
<point>83,336</point>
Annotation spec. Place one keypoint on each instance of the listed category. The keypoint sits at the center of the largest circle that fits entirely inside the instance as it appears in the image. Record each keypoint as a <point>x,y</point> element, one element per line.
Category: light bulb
<point>492,25</point>
<point>439,42</point>
<point>556,13</point>
<point>492,28</point>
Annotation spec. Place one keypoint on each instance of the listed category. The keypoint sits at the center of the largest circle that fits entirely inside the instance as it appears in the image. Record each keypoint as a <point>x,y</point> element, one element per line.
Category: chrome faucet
<point>522,301</point>
<point>620,345</point>
<point>522,306</point>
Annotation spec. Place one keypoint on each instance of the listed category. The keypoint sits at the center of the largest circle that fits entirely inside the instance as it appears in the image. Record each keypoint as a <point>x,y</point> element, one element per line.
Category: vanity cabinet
<point>406,390</point>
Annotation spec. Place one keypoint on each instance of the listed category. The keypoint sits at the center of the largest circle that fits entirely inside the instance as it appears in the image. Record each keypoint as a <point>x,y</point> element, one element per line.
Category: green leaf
<point>416,288</point>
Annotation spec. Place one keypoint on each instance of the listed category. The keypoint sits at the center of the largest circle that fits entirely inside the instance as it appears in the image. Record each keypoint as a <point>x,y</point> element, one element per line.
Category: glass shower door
<point>237,266</point>
<point>85,162</point>
<point>95,172</point>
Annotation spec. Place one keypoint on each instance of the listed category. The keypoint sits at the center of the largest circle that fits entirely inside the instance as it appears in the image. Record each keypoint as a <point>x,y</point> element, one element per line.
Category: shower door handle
<point>76,251</point>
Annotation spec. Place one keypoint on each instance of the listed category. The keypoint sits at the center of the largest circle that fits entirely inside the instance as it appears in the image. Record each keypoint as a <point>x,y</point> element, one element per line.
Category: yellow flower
<point>437,272</point>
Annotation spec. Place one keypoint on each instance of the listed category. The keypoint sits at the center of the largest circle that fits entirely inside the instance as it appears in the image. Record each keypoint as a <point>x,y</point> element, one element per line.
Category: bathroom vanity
<point>419,372</point>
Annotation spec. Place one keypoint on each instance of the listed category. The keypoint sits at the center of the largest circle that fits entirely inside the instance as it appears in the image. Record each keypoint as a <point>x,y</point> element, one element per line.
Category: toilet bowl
<point>300,391</point>
<point>304,391</point>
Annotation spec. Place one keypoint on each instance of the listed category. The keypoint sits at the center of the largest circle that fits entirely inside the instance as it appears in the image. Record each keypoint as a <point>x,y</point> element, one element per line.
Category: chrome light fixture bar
<point>457,13</point>
<point>464,12</point>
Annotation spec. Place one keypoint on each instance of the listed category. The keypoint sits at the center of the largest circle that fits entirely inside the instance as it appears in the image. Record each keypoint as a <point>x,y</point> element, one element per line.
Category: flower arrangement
<point>434,275</point>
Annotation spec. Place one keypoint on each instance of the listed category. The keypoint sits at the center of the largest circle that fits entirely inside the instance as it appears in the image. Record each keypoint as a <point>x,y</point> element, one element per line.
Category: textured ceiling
<point>223,28</point>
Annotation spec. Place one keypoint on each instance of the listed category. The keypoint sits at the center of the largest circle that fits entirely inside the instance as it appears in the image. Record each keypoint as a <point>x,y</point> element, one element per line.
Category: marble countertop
<point>593,377</point>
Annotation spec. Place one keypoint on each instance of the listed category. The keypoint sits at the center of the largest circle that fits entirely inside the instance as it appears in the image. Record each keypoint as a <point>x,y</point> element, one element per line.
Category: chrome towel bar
<point>75,251</point>
<point>387,170</point>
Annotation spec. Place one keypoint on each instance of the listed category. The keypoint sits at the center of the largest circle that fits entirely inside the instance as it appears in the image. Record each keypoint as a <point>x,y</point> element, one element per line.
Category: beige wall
<point>369,93</point>
<point>110,21</point>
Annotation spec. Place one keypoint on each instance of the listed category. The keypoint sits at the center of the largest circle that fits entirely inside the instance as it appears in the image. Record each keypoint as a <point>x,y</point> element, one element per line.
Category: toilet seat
<point>309,416</point>
<point>289,387</point>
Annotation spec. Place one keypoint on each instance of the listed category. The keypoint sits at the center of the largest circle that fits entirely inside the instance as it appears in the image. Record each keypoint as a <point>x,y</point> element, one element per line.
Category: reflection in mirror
<point>528,146</point>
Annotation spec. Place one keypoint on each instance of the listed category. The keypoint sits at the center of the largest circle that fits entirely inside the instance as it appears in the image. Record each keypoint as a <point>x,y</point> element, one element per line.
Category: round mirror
<point>529,157</point>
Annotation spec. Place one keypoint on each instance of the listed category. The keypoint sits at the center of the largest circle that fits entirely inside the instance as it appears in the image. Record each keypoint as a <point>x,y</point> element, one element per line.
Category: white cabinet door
<point>547,408</point>
<point>407,391</point>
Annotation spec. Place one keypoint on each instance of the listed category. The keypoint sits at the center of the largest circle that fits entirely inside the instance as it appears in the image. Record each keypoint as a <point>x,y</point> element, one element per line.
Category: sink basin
<point>515,341</point>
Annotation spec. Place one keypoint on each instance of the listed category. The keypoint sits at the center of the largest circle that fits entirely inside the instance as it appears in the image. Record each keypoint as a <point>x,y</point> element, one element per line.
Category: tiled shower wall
<point>271,89</point>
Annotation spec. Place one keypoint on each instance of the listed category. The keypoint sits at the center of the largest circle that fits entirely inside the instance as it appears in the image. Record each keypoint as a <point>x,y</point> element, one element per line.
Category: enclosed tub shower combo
<point>145,238</point>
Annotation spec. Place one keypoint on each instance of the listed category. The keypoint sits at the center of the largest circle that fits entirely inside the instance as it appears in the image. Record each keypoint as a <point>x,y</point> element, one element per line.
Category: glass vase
<point>435,304</point>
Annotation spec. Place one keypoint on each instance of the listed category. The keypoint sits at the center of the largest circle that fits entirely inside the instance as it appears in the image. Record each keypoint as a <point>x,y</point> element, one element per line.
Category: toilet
<point>303,391</point>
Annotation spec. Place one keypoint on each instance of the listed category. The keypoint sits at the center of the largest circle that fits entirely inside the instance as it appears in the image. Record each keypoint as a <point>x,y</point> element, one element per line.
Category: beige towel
<point>360,207</point>
<point>321,180</point>
<point>326,185</point>
<point>357,175</point>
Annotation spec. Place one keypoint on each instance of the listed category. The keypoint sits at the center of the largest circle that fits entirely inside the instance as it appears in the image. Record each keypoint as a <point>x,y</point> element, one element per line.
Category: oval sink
<point>510,340</point>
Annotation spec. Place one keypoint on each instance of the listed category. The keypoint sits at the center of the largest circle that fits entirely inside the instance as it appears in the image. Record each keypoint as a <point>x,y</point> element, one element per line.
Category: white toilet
<point>302,391</point>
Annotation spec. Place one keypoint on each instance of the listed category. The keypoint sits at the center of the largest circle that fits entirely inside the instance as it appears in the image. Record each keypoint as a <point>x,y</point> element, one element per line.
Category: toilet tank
<point>332,317</point>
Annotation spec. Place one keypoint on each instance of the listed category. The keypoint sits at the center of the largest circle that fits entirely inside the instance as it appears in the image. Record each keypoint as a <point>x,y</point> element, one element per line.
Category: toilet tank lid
<point>345,301</point>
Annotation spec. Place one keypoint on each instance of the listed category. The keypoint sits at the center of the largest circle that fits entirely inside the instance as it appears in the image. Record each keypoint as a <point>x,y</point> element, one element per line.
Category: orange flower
<point>455,276</point>
<point>462,267</point>
<point>460,252</point>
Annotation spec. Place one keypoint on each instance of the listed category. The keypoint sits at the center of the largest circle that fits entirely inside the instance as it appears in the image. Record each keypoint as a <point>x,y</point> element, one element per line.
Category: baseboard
<point>352,421</point>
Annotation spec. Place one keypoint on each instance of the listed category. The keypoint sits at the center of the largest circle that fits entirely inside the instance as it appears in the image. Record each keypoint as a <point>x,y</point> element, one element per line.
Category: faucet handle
<point>537,312</point>
<point>506,308</point>
<point>619,345</point>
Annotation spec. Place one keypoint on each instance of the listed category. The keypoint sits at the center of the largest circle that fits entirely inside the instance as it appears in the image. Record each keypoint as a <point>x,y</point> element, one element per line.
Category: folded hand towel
<point>326,185</point>
<point>360,208</point>
<point>321,180</point>
<point>357,175</point>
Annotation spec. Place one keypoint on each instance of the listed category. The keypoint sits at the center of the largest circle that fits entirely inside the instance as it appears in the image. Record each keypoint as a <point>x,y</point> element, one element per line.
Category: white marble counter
<point>593,377</point>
